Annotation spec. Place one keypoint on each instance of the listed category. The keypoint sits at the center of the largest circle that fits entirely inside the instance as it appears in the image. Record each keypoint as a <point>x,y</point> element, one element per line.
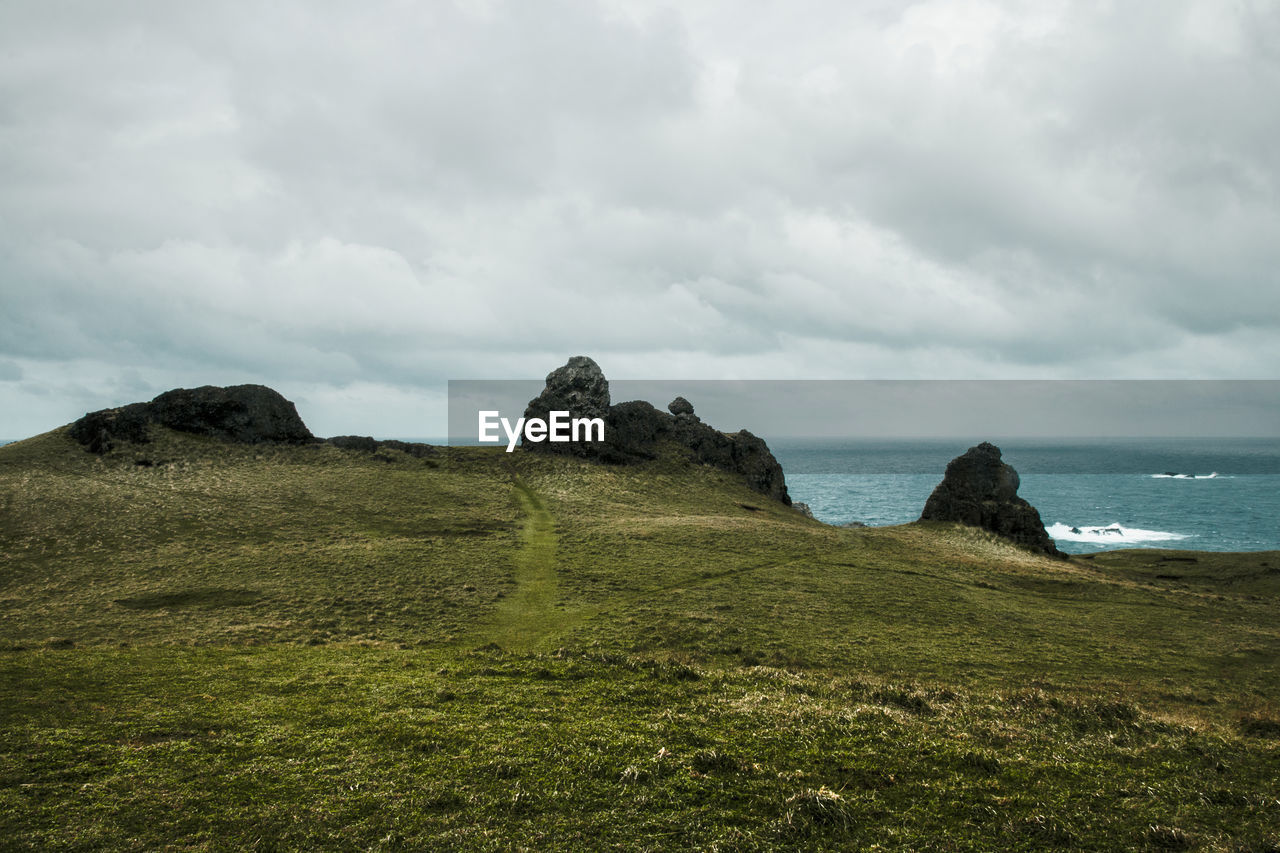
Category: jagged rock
<point>980,490</point>
<point>635,431</point>
<point>753,460</point>
<point>680,406</point>
<point>99,431</point>
<point>243,413</point>
<point>803,509</point>
<point>579,387</point>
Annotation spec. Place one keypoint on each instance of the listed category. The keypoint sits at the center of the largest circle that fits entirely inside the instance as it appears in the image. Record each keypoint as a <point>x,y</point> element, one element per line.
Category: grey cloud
<point>365,201</point>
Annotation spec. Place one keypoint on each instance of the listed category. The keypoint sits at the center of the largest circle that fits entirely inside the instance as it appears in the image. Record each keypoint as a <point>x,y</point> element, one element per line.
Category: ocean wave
<point>1109,534</point>
<point>1171,475</point>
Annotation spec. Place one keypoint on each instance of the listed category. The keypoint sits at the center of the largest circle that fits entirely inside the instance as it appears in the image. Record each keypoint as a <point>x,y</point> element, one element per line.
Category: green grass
<point>350,748</point>
<point>303,647</point>
<point>528,616</point>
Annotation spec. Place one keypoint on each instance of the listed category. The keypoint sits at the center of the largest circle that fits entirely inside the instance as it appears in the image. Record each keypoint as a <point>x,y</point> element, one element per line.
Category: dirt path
<point>527,618</point>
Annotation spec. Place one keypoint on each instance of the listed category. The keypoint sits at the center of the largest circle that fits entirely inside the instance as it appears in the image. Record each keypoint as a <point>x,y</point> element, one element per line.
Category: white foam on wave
<point>1172,476</point>
<point>1109,534</point>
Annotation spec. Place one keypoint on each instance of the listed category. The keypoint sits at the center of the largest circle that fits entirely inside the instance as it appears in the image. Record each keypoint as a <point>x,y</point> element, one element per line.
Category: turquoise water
<point>1114,493</point>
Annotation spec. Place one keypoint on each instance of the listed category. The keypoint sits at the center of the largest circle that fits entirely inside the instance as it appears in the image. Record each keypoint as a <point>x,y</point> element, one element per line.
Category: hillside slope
<point>519,649</point>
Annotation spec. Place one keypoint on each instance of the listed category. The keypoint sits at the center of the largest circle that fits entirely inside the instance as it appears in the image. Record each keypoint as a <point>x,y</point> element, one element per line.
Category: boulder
<point>680,406</point>
<point>635,431</point>
<point>632,432</point>
<point>981,490</point>
<point>248,414</point>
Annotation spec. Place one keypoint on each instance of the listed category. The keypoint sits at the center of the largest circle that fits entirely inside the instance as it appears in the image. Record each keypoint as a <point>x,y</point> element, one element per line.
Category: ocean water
<point>1201,494</point>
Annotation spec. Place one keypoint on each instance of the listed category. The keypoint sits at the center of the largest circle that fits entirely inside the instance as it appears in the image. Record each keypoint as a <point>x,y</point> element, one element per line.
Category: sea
<point>1093,495</point>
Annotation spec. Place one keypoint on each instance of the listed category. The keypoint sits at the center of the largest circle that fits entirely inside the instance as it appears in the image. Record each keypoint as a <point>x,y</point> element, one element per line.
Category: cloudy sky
<point>354,203</point>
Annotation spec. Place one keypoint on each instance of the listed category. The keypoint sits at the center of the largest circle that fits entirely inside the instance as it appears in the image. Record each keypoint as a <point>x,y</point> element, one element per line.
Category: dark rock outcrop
<point>635,431</point>
<point>578,387</point>
<point>632,432</point>
<point>242,413</point>
<point>99,431</point>
<point>366,443</point>
<point>680,406</point>
<point>369,444</point>
<point>248,414</point>
<point>416,449</point>
<point>980,490</point>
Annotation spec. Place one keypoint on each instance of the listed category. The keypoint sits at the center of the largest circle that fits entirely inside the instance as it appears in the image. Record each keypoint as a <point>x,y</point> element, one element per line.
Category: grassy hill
<point>211,646</point>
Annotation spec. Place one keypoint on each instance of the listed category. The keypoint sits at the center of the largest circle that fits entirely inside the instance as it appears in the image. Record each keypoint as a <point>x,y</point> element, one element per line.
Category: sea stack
<point>981,490</point>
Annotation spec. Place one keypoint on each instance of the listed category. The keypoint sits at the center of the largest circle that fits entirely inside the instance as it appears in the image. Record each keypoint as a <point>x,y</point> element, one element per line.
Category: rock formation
<point>242,413</point>
<point>980,490</point>
<point>578,387</point>
<point>680,406</point>
<point>369,444</point>
<point>635,431</point>
<point>99,431</point>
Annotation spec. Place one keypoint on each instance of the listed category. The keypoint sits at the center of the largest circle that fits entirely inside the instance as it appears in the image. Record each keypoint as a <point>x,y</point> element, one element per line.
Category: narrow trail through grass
<point>527,618</point>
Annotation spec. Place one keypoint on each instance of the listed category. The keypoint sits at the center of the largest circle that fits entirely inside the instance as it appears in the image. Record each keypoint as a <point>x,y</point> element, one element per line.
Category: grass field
<point>213,646</point>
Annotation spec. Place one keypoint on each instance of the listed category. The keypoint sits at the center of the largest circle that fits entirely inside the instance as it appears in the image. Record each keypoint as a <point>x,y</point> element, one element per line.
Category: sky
<point>355,203</point>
